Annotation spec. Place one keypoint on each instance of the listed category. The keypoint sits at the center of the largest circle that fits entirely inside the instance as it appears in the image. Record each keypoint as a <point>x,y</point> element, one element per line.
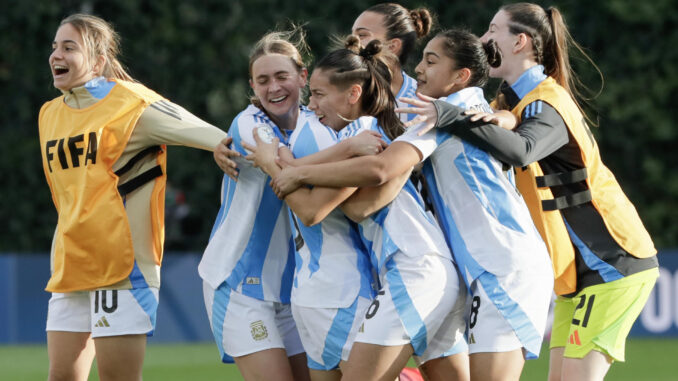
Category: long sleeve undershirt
<point>535,137</point>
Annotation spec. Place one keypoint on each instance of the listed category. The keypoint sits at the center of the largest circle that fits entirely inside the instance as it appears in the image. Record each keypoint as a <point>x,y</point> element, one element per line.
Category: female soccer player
<point>248,265</point>
<point>420,304</point>
<point>486,224</point>
<point>104,159</point>
<point>604,260</point>
<point>399,29</point>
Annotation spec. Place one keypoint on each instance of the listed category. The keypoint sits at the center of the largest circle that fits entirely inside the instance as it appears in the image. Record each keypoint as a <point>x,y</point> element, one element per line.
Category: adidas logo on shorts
<point>102,323</point>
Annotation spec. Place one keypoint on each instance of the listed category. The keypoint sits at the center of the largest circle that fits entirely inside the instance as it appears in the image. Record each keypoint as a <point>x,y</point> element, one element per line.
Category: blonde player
<point>103,148</point>
<point>248,265</point>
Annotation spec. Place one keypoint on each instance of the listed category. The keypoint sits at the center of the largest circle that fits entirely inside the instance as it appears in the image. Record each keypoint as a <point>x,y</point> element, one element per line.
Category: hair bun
<point>372,49</point>
<point>352,43</point>
<point>493,53</point>
<point>422,20</point>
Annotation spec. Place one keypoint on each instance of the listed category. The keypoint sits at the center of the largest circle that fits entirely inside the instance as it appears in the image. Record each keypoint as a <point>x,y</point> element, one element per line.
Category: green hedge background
<point>195,54</point>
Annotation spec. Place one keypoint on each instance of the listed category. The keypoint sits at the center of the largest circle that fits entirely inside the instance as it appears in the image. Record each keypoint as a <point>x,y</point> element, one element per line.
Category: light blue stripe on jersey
<point>313,237</point>
<point>453,237</point>
<point>604,269</point>
<point>251,248</point>
<point>337,335</point>
<point>137,278</point>
<point>414,324</point>
<point>228,190</point>
<point>521,324</point>
<point>288,272</point>
<point>143,295</point>
<point>218,315</point>
<point>328,269</point>
<point>251,262</point>
<point>408,90</point>
<point>234,131</point>
<point>99,87</point>
<point>479,174</point>
<point>388,247</point>
<point>148,303</point>
<point>367,289</point>
<point>314,364</point>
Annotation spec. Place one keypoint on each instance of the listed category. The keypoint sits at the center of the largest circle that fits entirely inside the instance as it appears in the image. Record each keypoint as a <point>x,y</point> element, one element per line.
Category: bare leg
<point>70,355</point>
<point>269,364</point>
<point>556,363</point>
<point>452,368</point>
<point>120,357</point>
<point>376,362</point>
<point>497,366</point>
<point>300,371</point>
<point>592,367</point>
<point>325,375</point>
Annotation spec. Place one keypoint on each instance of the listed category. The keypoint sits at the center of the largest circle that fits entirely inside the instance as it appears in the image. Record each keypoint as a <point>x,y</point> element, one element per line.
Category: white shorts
<point>509,312</point>
<point>104,312</point>
<point>328,333</point>
<point>243,325</point>
<point>421,302</point>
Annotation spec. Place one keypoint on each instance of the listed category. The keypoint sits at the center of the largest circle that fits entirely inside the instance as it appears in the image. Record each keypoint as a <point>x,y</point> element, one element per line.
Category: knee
<point>65,374</point>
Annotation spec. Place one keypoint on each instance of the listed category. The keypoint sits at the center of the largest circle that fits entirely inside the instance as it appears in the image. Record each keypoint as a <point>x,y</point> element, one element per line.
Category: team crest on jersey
<point>258,330</point>
<point>265,133</point>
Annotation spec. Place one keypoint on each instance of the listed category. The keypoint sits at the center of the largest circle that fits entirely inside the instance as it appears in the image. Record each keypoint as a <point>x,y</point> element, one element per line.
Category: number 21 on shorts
<point>583,301</point>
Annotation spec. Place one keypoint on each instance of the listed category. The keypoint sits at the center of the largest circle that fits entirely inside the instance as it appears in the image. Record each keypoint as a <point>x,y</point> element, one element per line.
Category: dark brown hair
<point>407,25</point>
<point>467,51</point>
<point>367,68</point>
<point>551,41</point>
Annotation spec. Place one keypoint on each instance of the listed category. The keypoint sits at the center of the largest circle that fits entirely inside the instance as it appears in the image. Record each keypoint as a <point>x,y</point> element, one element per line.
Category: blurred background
<point>196,54</point>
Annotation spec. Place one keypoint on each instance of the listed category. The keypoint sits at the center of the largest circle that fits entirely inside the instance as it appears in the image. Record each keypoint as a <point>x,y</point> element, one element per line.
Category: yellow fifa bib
<point>93,244</point>
<point>619,215</point>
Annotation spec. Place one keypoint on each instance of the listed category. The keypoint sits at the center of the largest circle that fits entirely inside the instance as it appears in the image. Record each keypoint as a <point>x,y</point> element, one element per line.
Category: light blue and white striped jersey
<point>252,245</point>
<point>403,225</point>
<point>408,90</point>
<point>484,218</point>
<point>333,267</point>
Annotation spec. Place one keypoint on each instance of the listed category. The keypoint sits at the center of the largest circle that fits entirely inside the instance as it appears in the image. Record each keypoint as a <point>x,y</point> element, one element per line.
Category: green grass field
<point>647,359</point>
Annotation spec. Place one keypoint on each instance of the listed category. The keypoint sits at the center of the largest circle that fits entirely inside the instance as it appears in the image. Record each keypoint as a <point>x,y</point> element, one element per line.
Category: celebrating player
<point>419,308</point>
<point>398,29</point>
<point>604,260</point>
<point>104,159</point>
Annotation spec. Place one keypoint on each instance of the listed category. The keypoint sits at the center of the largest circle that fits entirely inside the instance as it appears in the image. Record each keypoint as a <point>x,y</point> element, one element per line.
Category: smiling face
<point>506,41</point>
<point>436,73</point>
<point>69,60</point>
<point>331,105</point>
<point>277,83</point>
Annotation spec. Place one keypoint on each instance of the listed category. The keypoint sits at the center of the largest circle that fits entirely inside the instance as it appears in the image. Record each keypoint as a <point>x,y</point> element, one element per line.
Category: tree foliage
<point>196,54</point>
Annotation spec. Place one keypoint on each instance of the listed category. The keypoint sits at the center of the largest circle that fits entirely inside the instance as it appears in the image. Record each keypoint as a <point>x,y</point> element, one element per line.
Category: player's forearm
<point>336,152</point>
<point>313,205</point>
<point>367,201</point>
<point>356,172</point>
